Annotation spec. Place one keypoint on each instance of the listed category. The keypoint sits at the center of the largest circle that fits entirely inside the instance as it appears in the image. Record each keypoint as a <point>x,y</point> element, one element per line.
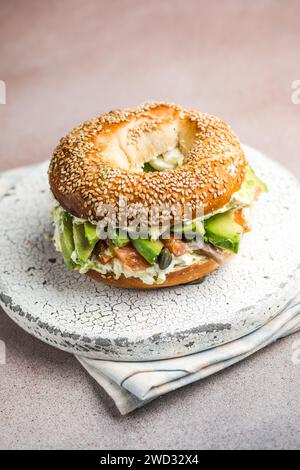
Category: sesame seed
<point>79,165</point>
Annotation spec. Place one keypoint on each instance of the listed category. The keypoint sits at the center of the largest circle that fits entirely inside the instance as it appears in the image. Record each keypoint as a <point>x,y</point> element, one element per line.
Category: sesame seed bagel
<point>102,160</point>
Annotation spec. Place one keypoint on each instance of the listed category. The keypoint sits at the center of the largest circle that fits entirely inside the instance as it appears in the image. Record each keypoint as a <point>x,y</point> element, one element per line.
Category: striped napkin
<point>133,384</point>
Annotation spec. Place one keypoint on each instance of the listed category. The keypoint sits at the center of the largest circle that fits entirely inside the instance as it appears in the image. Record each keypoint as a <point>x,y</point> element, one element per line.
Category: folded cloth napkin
<point>133,384</point>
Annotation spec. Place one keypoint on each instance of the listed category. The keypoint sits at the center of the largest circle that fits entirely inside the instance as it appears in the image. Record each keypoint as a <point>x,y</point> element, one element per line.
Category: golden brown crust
<point>181,276</point>
<point>100,161</point>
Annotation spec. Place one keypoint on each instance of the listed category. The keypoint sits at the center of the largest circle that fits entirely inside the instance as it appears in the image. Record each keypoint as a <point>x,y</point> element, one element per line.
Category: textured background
<point>66,61</point>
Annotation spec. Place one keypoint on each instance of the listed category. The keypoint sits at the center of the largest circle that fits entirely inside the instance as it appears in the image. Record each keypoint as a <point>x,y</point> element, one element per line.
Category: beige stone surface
<point>66,61</point>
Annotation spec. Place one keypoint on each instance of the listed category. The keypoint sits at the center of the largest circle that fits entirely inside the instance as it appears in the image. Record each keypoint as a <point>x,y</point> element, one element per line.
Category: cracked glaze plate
<point>73,313</point>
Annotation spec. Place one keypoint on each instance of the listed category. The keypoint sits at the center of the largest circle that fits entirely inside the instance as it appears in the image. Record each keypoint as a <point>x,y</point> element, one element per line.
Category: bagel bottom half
<point>185,275</point>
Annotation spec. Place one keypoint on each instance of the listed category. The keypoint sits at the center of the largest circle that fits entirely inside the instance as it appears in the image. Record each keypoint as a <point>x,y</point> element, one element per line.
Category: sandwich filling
<point>152,259</point>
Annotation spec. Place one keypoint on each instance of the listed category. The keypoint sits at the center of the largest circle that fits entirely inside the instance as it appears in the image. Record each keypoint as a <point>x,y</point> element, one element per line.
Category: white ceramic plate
<point>74,313</point>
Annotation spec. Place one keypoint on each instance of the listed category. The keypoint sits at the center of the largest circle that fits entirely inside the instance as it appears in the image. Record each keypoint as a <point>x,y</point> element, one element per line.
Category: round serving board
<point>72,312</point>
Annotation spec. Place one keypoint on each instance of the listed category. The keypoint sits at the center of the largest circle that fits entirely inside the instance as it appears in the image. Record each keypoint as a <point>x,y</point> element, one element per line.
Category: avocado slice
<point>90,231</point>
<point>190,230</point>
<point>147,168</point>
<point>222,230</point>
<point>251,187</point>
<point>82,245</point>
<point>253,180</point>
<point>149,249</point>
<point>120,238</point>
<point>66,238</point>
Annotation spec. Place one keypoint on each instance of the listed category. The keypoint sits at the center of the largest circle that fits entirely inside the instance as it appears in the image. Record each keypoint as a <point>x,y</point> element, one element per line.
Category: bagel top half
<point>102,160</point>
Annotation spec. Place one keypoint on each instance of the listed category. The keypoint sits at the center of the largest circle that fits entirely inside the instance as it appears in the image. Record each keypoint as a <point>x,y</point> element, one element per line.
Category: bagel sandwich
<point>151,159</point>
